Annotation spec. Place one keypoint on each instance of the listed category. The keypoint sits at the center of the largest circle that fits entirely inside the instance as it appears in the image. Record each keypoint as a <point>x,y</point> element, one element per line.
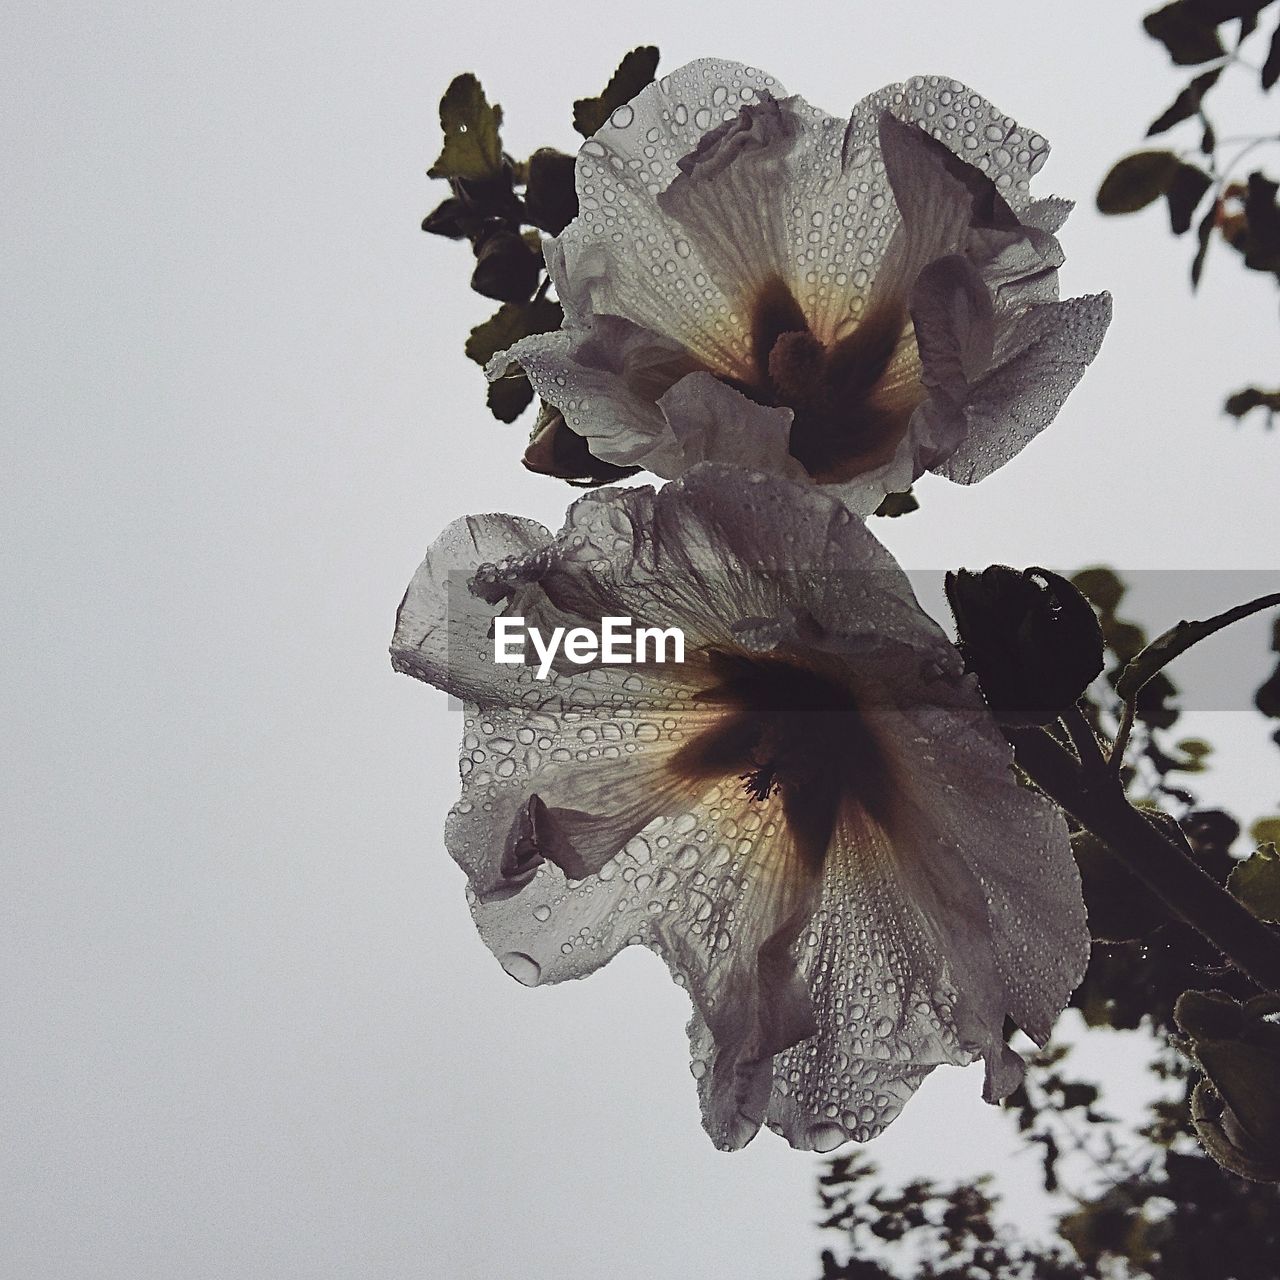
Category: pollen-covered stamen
<point>796,732</point>
<point>849,409</point>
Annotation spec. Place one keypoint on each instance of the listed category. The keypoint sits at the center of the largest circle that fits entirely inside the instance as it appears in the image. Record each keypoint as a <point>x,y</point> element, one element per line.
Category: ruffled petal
<point>1051,346</point>
<point>442,629</point>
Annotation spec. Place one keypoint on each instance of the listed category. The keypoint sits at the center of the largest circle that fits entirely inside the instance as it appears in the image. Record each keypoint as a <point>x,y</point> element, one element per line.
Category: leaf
<point>509,397</point>
<point>1184,194</point>
<point>1164,648</point>
<point>1186,104</point>
<point>1208,139</point>
<point>472,145</point>
<point>510,323</point>
<point>1262,217</point>
<point>1189,38</point>
<point>898,504</point>
<point>1203,234</point>
<point>633,73</point>
<point>1252,398</point>
<point>1271,68</point>
<point>1265,831</point>
<point>1101,587</point>
<point>550,196</point>
<point>1256,883</point>
<point>1136,181</point>
<point>1244,1077</point>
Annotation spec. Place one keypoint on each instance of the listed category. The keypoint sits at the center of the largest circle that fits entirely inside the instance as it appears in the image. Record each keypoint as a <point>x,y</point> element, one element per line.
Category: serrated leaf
<point>1244,1076</point>
<point>1271,68</point>
<point>511,322</point>
<point>1266,831</point>
<point>633,73</point>
<point>1164,648</point>
<point>898,504</point>
<point>1256,883</point>
<point>1135,181</point>
<point>1189,38</point>
<point>1184,195</point>
<point>1186,104</point>
<point>1204,232</point>
<point>509,397</point>
<point>472,143</point>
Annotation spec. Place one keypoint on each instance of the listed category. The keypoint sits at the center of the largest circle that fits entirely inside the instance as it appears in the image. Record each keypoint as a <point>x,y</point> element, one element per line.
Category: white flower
<point>813,820</point>
<point>752,281</point>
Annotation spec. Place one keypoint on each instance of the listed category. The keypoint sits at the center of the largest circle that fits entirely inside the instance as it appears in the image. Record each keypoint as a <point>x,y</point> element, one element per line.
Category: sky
<point>248,1028</point>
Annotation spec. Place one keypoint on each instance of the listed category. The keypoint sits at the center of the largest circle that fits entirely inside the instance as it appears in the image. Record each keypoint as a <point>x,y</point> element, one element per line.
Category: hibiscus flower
<point>855,302</point>
<point>813,818</point>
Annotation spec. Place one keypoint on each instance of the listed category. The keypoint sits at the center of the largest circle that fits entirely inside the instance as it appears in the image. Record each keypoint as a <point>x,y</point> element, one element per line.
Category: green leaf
<point>472,145</point>
<point>1164,648</point>
<point>1185,192</point>
<point>1266,831</point>
<point>898,504</point>
<point>1256,882</point>
<point>510,323</point>
<point>1245,1078</point>
<point>1271,68</point>
<point>1101,587</point>
<point>509,397</point>
<point>633,73</point>
<point>1187,36</point>
<point>1186,104</point>
<point>1136,181</point>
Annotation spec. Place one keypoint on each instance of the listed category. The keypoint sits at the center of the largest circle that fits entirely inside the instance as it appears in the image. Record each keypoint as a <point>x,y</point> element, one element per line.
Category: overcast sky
<point>249,1029</point>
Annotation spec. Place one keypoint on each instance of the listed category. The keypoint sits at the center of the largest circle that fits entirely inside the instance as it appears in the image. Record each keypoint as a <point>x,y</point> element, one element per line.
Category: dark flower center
<point>791,730</point>
<point>848,415</point>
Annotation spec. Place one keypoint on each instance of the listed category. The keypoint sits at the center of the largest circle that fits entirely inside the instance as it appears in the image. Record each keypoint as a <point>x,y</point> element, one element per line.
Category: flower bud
<point>550,195</point>
<point>1030,637</point>
<point>556,450</point>
<point>506,268</point>
<point>452,218</point>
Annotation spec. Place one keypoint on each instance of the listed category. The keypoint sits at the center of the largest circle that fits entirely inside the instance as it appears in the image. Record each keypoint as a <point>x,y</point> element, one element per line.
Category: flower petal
<point>1052,345</point>
<point>442,629</point>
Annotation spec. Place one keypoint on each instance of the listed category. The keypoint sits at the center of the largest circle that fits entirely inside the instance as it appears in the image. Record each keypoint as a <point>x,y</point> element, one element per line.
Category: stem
<point>1096,799</point>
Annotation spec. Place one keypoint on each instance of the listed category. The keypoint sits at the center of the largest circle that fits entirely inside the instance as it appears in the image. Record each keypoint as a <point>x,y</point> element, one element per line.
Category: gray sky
<point>249,1030</point>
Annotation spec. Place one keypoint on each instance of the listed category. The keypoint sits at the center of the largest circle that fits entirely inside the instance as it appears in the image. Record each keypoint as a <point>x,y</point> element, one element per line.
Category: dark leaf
<point>1208,139</point>
<point>509,324</point>
<point>1189,37</point>
<point>506,268</point>
<point>1218,11</point>
<point>453,218</point>
<point>1271,68</point>
<point>898,504</point>
<point>1252,398</point>
<point>1256,882</point>
<point>472,145</point>
<point>509,397</point>
<point>550,197</point>
<point>633,73</point>
<point>1262,218</point>
<point>1136,181</point>
<point>1186,104</point>
<point>1203,233</point>
<point>1185,192</point>
<point>1267,698</point>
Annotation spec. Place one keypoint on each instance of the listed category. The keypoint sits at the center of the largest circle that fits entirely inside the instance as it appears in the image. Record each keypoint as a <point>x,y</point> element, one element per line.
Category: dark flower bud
<point>550,195</point>
<point>557,450</point>
<point>506,268</point>
<point>1030,637</point>
<point>489,197</point>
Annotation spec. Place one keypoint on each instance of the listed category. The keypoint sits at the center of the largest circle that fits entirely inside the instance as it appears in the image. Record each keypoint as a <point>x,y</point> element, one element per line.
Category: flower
<point>752,281</point>
<point>812,819</point>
